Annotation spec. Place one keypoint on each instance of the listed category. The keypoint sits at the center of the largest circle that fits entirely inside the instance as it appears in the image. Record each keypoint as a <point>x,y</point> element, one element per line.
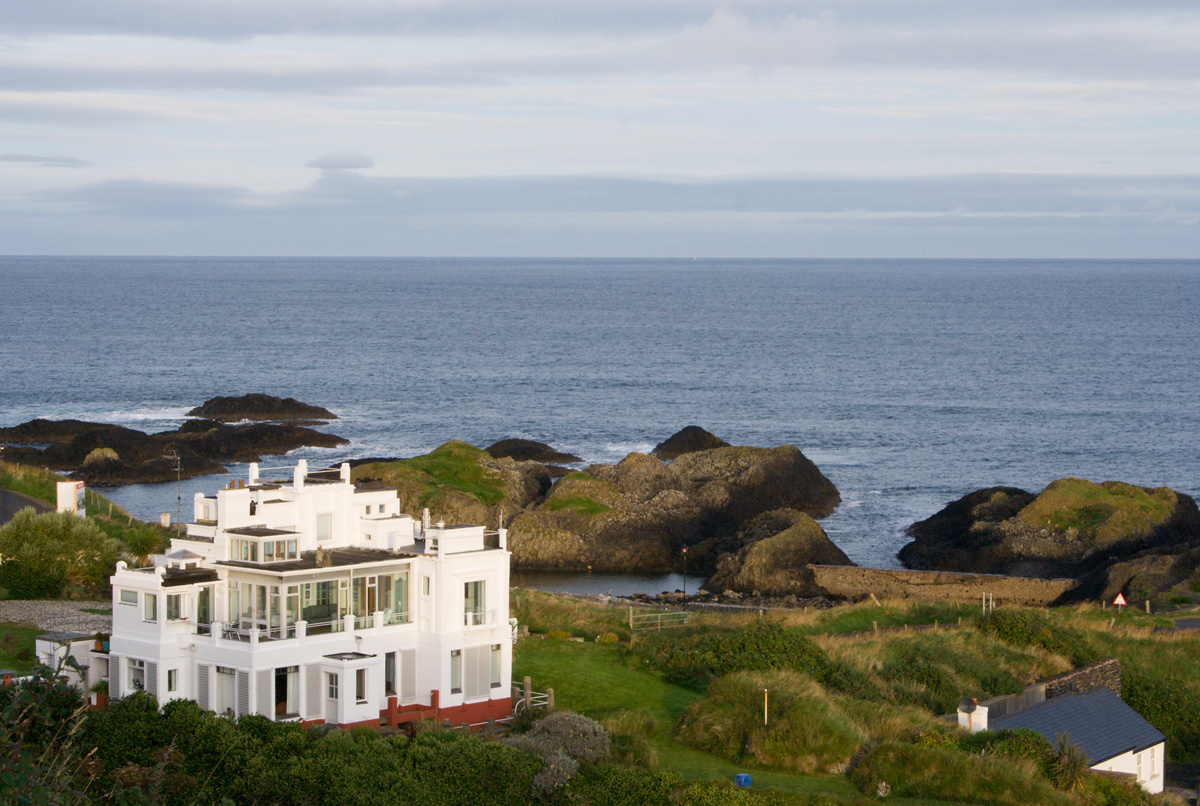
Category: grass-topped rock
<point>460,483</point>
<point>1072,528</point>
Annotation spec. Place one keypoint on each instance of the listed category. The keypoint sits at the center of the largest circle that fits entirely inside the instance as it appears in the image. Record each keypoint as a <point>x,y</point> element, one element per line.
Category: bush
<point>943,774</point>
<point>1031,628</point>
<point>693,658</point>
<point>41,552</point>
<point>607,638</point>
<point>558,635</point>
<point>562,740</point>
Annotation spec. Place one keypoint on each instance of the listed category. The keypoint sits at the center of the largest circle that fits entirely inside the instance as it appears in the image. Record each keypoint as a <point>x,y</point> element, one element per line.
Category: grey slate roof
<point>1098,722</point>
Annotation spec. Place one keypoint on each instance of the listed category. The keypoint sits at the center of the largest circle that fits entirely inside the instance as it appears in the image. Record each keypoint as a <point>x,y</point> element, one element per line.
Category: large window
<point>360,685</point>
<point>174,607</point>
<point>150,607</point>
<point>128,597</point>
<point>325,526</point>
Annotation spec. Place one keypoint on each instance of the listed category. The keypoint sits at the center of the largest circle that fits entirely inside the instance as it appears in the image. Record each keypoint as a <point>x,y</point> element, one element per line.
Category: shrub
<point>562,740</point>
<point>607,638</point>
<point>558,635</point>
<point>42,551</point>
<point>943,774</point>
<point>1031,628</point>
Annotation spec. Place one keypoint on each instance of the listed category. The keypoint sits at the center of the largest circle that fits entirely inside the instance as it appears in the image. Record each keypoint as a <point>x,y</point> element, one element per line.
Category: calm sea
<point>909,383</point>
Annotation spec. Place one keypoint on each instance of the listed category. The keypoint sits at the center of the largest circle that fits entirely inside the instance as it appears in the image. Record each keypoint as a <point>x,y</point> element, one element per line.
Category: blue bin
<point>741,780</point>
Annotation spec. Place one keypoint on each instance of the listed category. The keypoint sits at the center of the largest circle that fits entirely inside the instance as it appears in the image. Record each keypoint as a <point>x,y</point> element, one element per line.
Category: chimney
<point>972,715</point>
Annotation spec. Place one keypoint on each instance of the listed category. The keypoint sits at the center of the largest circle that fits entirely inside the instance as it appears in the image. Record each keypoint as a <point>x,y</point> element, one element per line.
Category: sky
<point>860,128</point>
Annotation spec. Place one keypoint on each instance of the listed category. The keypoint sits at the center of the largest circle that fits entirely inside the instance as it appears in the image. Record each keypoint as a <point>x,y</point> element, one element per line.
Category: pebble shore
<point>57,616</point>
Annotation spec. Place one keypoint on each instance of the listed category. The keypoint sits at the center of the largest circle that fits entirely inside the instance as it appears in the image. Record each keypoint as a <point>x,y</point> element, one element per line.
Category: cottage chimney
<point>300,474</point>
<point>425,520</point>
<point>972,715</point>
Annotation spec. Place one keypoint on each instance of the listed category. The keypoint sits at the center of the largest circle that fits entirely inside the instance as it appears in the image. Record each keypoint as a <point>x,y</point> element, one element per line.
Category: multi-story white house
<point>314,599</point>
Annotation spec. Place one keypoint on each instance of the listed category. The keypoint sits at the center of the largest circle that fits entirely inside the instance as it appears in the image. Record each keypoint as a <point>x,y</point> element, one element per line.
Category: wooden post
<point>764,707</point>
<point>630,619</point>
<point>528,691</point>
<point>874,628</point>
<point>549,699</point>
<point>1147,605</point>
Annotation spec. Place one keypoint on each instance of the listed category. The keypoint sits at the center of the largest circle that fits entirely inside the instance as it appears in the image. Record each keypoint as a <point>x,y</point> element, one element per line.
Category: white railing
<point>479,618</point>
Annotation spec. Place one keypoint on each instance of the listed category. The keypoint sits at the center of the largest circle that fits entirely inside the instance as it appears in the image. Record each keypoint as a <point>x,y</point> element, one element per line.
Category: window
<point>331,685</point>
<point>495,666</point>
<point>150,612</point>
<point>287,691</point>
<point>172,679</point>
<point>174,607</point>
<point>324,526</point>
<point>129,597</point>
<point>360,685</point>
<point>456,671</point>
<point>381,509</point>
<point>389,674</point>
<point>368,509</point>
<point>137,674</point>
<point>473,594</point>
<point>425,586</point>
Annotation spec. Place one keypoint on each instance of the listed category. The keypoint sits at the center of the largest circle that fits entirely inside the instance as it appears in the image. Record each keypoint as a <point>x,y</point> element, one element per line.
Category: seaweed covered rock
<point>777,548</point>
<point>259,407</point>
<point>1073,528</point>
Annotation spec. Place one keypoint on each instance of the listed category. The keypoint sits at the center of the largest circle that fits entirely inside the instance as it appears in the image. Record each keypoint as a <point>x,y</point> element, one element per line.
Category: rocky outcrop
<point>259,407</point>
<point>527,450</point>
<point>634,516</point>
<point>639,514</point>
<point>688,440</point>
<point>1108,533</point>
<point>105,454</point>
<point>778,549</point>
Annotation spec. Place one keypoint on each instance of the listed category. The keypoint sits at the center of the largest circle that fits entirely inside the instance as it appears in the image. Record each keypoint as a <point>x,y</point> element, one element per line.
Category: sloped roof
<point>1098,722</point>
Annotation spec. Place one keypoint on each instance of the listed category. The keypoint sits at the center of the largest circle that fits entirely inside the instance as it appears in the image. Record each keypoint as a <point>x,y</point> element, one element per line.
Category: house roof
<point>1099,723</point>
<point>259,531</point>
<point>174,577</point>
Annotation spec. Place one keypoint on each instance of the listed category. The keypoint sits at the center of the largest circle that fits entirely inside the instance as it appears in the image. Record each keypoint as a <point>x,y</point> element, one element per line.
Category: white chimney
<point>972,715</point>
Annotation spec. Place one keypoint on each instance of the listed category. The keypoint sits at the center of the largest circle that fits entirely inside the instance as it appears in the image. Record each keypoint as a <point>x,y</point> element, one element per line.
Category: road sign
<point>1120,600</point>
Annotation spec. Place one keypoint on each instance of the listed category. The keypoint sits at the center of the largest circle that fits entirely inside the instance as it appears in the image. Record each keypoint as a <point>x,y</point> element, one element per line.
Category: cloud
<point>54,161</point>
<point>342,161</point>
<point>347,213</point>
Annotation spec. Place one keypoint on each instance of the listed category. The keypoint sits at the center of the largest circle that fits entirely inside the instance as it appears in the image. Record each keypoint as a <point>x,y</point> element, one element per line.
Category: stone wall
<point>851,582</point>
<point>1101,674</point>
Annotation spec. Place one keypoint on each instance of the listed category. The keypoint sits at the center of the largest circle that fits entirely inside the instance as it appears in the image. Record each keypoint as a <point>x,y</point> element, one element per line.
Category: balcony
<point>479,618</point>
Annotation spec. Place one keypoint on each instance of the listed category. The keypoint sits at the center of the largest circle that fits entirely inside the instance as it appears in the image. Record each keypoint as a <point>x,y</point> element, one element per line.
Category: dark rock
<point>1073,528</point>
<point>259,407</point>
<point>112,455</point>
<point>42,431</point>
<point>690,439</point>
<point>527,450</point>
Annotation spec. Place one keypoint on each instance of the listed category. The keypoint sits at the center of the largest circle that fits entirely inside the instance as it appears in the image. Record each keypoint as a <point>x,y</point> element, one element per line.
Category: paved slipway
<point>12,502</point>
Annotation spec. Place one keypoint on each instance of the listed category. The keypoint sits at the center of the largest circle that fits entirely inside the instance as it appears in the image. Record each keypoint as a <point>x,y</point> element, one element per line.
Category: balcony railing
<point>390,617</point>
<point>478,618</point>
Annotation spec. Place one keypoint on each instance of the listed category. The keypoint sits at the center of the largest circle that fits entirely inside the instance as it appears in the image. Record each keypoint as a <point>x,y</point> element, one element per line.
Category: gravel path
<point>57,616</point>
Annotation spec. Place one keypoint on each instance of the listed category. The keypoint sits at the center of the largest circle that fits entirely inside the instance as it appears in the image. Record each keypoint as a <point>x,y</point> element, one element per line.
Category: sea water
<point>908,382</point>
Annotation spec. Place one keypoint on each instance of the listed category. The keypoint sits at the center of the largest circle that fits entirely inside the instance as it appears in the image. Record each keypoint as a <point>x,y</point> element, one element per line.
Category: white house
<point>314,599</point>
<point>1110,733</point>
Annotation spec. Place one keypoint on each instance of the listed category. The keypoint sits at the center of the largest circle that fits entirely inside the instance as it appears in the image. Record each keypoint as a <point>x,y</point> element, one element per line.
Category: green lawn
<point>17,639</point>
<point>598,680</point>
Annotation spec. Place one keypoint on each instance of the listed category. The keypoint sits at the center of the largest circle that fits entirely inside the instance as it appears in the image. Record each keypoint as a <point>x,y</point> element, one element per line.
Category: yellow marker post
<point>764,707</point>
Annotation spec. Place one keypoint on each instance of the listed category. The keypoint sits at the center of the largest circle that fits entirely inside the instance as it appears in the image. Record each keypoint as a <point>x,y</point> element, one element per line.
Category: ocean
<point>909,382</point>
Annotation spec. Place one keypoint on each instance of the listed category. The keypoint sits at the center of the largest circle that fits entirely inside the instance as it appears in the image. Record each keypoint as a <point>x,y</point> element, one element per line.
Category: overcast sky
<point>866,128</point>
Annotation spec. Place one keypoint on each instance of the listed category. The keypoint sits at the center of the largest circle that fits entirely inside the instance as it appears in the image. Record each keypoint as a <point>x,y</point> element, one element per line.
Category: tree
<point>143,540</point>
<point>39,553</point>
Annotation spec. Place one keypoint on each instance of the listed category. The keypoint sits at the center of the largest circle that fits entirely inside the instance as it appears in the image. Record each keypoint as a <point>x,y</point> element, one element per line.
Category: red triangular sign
<point>1120,600</point>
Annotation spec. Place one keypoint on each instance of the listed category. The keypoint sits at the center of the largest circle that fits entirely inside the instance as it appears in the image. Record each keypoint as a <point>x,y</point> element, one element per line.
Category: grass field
<point>16,646</point>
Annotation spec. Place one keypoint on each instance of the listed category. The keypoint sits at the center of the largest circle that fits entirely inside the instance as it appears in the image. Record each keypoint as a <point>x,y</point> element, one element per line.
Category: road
<point>11,503</point>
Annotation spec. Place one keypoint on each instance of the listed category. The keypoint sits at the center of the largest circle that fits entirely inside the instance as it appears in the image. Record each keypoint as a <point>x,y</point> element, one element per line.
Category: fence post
<point>549,699</point>
<point>528,691</point>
